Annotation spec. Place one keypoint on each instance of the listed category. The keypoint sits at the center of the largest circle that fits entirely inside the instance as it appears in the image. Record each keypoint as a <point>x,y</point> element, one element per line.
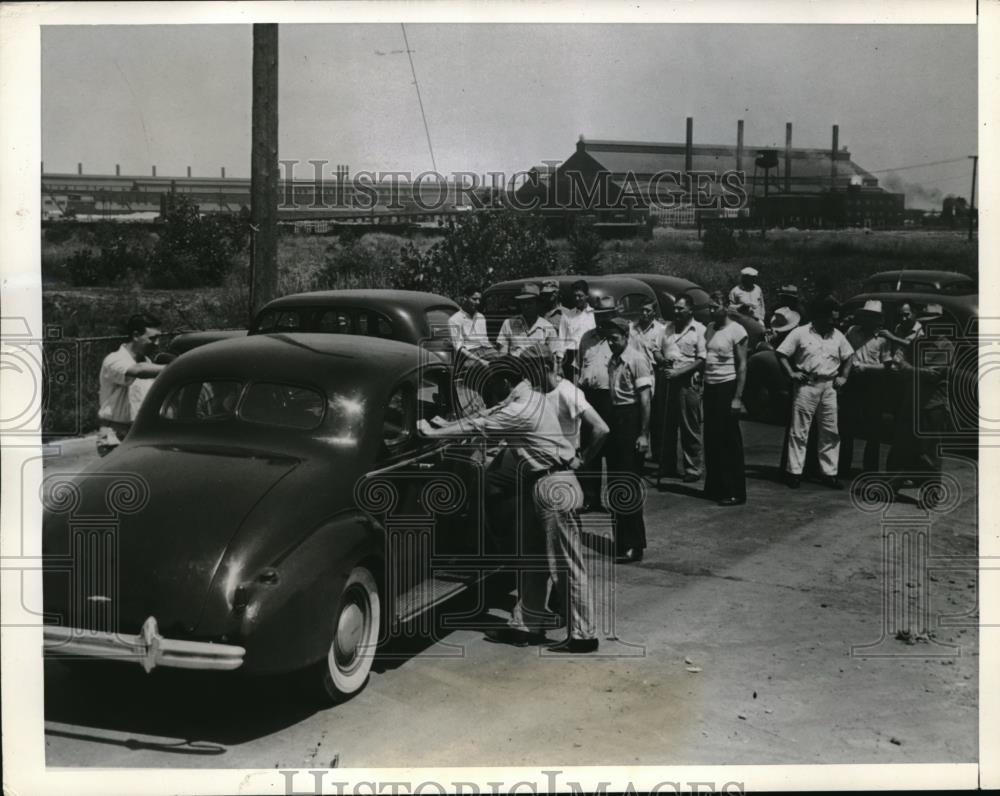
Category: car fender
<point>284,613</point>
<point>767,387</point>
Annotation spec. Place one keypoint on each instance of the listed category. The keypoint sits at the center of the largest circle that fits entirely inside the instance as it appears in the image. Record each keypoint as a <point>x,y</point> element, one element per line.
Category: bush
<point>375,257</point>
<point>195,250</point>
<point>478,248</point>
<point>585,248</point>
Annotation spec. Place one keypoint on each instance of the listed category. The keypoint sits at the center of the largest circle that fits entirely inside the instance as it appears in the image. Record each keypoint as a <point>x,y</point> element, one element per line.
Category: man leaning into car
<point>539,426</point>
<point>123,382</point>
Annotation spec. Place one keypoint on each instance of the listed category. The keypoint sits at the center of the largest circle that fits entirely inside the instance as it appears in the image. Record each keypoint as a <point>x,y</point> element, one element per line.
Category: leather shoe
<point>793,481</point>
<point>630,556</point>
<point>731,501</point>
<point>576,646</point>
<point>832,482</point>
<point>690,478</point>
<point>514,637</point>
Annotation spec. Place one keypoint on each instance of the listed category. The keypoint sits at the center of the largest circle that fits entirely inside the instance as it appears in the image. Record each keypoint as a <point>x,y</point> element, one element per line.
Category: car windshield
<point>266,403</point>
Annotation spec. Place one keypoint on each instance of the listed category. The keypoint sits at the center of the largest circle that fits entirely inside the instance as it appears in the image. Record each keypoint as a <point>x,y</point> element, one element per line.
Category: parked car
<point>768,389</point>
<point>251,519</point>
<point>948,283</point>
<point>629,294</point>
<point>407,315</point>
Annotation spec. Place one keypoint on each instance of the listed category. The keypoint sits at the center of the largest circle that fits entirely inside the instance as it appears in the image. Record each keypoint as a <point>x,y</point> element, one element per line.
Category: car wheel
<point>355,637</point>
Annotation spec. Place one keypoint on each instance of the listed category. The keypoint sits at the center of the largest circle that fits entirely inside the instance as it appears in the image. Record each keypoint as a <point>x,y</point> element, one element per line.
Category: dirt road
<point>734,644</point>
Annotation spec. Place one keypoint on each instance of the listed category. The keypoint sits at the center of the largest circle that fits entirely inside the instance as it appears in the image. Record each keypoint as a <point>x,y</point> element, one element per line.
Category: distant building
<point>623,182</point>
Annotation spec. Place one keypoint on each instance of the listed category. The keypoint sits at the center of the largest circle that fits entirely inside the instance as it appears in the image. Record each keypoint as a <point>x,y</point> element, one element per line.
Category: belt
<point>812,379</point>
<point>536,475</point>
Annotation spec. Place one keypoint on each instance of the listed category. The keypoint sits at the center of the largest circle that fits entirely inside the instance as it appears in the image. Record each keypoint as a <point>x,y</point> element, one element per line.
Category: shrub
<point>374,256</point>
<point>477,248</point>
<point>585,248</point>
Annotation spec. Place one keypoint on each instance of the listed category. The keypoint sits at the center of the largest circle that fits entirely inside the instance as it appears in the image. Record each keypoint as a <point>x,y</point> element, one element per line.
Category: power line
<point>918,165</point>
<point>409,54</point>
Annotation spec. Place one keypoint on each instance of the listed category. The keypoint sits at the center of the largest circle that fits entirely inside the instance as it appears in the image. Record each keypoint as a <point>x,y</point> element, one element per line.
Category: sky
<point>506,97</point>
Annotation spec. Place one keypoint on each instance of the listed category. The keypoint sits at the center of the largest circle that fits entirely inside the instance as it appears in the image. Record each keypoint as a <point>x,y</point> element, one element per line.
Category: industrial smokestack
<point>788,157</point>
<point>223,172</point>
<point>79,168</point>
<point>118,170</point>
<point>739,145</point>
<point>154,171</point>
<point>833,158</point>
<point>189,171</point>
<point>687,145</point>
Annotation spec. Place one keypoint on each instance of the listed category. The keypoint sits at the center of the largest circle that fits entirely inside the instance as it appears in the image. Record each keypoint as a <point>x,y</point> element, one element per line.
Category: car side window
<point>289,321</point>
<point>383,328</point>
<point>336,322</point>
<point>398,422</point>
<point>266,321</point>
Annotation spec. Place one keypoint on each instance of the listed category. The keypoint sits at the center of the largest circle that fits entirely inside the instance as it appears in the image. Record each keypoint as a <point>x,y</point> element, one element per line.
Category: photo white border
<point>20,252</point>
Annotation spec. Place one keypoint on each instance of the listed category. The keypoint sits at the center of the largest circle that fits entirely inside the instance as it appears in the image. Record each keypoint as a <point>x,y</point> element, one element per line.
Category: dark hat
<point>620,324</point>
<point>528,291</point>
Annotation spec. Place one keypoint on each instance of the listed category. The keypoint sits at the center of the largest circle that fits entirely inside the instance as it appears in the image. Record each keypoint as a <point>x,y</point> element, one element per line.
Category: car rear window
<point>285,405</point>
<point>279,321</point>
<point>437,321</point>
<point>202,400</point>
<point>500,303</point>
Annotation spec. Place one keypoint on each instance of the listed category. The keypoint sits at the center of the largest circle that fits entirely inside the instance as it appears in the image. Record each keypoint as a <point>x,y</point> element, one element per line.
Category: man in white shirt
<point>468,326</point>
<point>119,398</point>
<point>748,294</point>
<point>682,354</point>
<point>817,358</point>
<point>573,322</point>
<point>527,328</point>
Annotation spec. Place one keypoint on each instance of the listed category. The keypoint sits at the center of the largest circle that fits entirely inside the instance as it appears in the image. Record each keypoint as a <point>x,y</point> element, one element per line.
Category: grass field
<point>816,261</point>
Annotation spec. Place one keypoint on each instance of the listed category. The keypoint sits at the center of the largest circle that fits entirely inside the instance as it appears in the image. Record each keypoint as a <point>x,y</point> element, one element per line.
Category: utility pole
<point>972,195</point>
<point>264,168</point>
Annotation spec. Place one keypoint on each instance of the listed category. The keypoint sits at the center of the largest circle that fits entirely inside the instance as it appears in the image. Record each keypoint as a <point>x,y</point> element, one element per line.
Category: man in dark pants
<point>630,381</point>
<point>860,401</point>
<point>683,356</point>
<point>593,356</point>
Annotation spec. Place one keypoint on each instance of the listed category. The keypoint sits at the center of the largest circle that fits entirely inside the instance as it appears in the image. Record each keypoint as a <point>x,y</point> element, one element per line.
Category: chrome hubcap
<point>350,630</point>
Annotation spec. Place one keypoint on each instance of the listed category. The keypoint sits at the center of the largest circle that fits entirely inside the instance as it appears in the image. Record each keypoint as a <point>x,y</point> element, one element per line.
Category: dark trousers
<point>859,416</point>
<point>626,494</point>
<point>590,474</point>
<point>725,475</point>
<point>682,410</point>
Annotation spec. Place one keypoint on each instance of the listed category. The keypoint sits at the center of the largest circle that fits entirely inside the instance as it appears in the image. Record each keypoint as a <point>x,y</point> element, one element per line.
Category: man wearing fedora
<point>748,294</point>
<point>817,358</point>
<point>924,415</point>
<point>527,328</point>
<point>860,401</point>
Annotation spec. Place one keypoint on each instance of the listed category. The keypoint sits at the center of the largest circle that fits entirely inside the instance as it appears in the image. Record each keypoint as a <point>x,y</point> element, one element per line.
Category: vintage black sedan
<point>412,316</point>
<point>272,509</point>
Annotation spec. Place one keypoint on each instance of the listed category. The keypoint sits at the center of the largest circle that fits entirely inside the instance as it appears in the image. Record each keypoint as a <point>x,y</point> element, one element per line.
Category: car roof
<point>672,284</point>
<point>920,275</point>
<point>602,282</point>
<point>375,298</point>
<point>330,360</point>
<point>968,305</point>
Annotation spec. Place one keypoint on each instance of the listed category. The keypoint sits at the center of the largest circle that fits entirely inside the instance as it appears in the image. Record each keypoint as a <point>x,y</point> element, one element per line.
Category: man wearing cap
<point>748,294</point>
<point>573,323</point>
<point>630,381</point>
<point>539,427</point>
<point>525,329</point>
<point>682,356</point>
<point>923,417</point>
<point>817,358</point>
<point>551,306</point>
<point>593,357</point>
<point>860,401</point>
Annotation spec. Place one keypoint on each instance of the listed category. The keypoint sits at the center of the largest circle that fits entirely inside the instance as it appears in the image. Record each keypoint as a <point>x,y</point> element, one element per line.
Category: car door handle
<point>425,465</point>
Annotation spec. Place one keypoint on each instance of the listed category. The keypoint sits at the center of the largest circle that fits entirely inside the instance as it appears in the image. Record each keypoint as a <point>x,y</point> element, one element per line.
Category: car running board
<point>433,591</point>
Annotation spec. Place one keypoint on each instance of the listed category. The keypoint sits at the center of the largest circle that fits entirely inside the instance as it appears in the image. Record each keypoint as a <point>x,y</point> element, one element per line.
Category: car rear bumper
<point>149,649</point>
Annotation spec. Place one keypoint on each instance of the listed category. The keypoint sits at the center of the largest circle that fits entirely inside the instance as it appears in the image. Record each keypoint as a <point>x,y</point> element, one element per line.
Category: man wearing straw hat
<point>860,401</point>
<point>527,328</point>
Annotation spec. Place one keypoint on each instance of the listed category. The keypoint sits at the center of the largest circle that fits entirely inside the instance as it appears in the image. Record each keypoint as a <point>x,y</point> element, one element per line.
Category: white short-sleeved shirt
<point>114,403</point>
<point>649,339</point>
<point>467,331</point>
<point>515,335</point>
<point>572,324</point>
<point>532,426</point>
<point>753,298</point>
<point>814,354</point>
<point>720,352</point>
<point>570,405</point>
<point>685,346</point>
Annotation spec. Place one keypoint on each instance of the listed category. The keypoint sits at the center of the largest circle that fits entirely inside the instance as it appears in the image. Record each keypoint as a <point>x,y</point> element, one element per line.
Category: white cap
<point>748,271</point>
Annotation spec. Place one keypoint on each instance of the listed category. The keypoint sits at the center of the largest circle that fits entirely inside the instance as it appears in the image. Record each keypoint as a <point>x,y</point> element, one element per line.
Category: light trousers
<point>814,400</point>
<point>556,499</point>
